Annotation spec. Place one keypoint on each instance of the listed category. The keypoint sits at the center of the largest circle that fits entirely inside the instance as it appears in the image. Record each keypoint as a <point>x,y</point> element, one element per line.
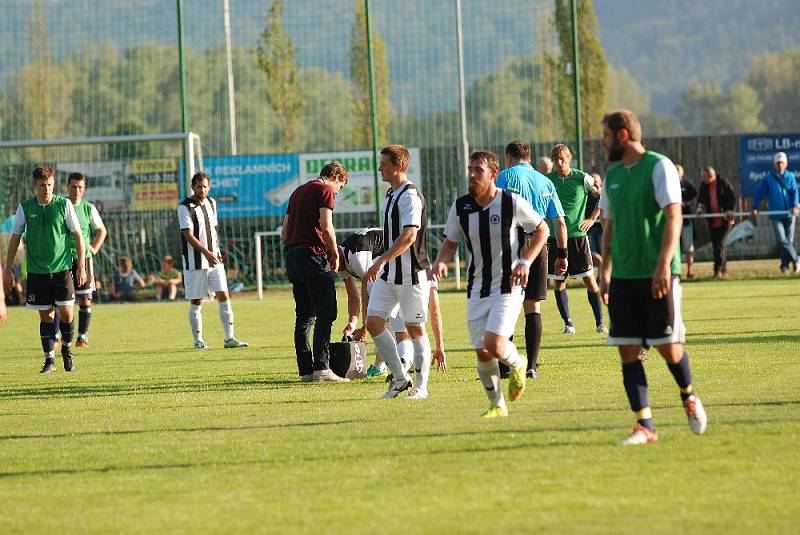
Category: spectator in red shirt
<point>312,260</point>
<point>716,196</point>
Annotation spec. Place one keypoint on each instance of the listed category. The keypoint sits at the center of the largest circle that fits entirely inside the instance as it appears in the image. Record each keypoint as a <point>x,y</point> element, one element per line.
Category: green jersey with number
<point>637,220</point>
<point>47,242</point>
<point>572,192</point>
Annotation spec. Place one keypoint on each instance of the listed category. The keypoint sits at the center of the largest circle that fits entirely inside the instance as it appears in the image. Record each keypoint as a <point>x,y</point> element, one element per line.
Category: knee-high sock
<point>56,321</point>
<point>84,317</point>
<point>405,350</point>
<point>385,344</point>
<point>511,357</point>
<point>533,338</point>
<point>226,318</point>
<point>422,360</point>
<point>562,301</point>
<point>683,376</point>
<point>67,332</point>
<point>636,388</point>
<point>597,309</point>
<point>489,374</point>
<point>47,332</point>
<point>196,321</point>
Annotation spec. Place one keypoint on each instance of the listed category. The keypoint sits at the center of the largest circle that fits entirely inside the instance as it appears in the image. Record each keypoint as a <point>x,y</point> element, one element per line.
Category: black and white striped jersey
<point>405,208</point>
<point>201,219</point>
<point>360,249</point>
<point>493,238</point>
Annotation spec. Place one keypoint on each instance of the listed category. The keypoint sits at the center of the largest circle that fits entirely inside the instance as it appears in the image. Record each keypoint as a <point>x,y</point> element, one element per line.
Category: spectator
<point>780,188</point>
<point>126,281</point>
<point>688,198</point>
<point>716,196</point>
<point>167,280</point>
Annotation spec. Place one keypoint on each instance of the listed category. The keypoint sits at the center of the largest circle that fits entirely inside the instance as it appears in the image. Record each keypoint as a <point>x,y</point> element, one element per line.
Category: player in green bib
<point>48,221</point>
<point>90,220</point>
<point>642,220</point>
<point>573,187</point>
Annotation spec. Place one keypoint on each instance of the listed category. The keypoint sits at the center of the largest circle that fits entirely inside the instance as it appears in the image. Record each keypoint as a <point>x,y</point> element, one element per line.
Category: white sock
<point>384,343</point>
<point>196,321</point>
<point>512,358</point>
<point>489,374</point>
<point>406,351</point>
<point>226,318</point>
<point>422,360</point>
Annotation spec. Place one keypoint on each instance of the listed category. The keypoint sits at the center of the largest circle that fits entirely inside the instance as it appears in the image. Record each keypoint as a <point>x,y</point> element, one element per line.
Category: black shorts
<point>579,263</point>
<point>536,289</point>
<point>46,291</point>
<point>639,319</point>
<point>86,289</point>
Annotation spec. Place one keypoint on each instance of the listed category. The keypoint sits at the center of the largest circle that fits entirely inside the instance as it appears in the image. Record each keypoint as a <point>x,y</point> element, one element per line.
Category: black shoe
<point>69,363</point>
<point>504,375</point>
<point>49,366</point>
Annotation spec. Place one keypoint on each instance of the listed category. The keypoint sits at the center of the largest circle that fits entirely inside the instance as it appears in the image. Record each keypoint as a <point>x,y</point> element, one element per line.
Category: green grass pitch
<point>149,435</point>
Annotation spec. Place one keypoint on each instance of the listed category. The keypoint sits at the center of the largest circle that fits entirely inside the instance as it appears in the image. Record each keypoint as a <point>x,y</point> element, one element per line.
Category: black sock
<point>533,338</point>
<point>594,300</point>
<point>47,333</point>
<point>562,301</point>
<point>683,376</point>
<point>636,388</point>
<point>67,330</point>
<point>84,317</point>
<point>56,323</point>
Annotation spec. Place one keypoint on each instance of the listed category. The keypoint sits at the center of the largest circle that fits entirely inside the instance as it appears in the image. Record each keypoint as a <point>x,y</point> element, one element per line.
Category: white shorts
<point>411,298</point>
<point>198,283</point>
<point>496,314</point>
<point>396,324</point>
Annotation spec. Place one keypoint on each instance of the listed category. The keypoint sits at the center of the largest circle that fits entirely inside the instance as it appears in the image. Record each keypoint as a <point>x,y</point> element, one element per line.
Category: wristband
<point>523,262</point>
<point>562,252</point>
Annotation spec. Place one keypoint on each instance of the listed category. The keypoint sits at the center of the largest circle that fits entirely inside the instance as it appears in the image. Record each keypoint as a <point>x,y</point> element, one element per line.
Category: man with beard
<point>641,206</point>
<point>490,219</point>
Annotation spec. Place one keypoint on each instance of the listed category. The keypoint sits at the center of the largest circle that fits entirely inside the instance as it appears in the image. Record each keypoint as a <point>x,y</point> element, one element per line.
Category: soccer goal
<point>135,181</point>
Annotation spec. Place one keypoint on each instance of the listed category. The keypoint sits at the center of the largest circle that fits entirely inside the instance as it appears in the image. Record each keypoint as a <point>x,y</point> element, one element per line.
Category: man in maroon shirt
<point>312,260</point>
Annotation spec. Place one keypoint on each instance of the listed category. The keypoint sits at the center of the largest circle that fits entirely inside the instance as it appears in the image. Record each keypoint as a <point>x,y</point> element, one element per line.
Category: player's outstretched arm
<point>662,277</point>
<point>435,313</point>
<point>439,266</point>
<point>13,245</point>
<point>605,270</point>
<point>353,306</point>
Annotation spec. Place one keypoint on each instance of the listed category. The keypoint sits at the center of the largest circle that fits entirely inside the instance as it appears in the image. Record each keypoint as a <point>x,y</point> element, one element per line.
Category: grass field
<point>151,436</point>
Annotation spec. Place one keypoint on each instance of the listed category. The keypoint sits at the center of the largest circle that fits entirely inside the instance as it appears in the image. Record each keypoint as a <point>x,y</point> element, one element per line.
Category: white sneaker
<point>396,387</point>
<point>321,376</point>
<point>697,415</point>
<point>601,329</point>
<point>418,393</point>
<point>568,329</point>
<point>640,435</point>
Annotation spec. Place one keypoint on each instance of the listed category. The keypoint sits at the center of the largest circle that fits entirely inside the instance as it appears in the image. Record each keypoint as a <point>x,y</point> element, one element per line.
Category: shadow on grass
<point>178,430</point>
<point>726,338</point>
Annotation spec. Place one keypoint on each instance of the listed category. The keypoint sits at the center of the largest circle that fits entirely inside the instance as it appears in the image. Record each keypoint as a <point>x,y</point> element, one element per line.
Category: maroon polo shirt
<point>302,225</point>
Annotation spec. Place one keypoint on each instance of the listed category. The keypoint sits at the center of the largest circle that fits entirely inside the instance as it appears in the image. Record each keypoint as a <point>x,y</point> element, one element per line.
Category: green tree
<point>275,55</point>
<point>593,68</point>
<point>359,73</point>
<point>775,77</point>
<point>707,109</point>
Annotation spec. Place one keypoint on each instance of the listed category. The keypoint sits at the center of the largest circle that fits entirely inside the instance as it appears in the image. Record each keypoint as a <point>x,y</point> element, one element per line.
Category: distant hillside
<point>669,44</point>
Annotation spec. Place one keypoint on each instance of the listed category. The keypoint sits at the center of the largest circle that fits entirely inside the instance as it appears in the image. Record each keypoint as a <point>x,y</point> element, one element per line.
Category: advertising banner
<point>359,194</point>
<point>255,185</point>
<point>106,183</point>
<point>756,153</point>
<point>154,184</point>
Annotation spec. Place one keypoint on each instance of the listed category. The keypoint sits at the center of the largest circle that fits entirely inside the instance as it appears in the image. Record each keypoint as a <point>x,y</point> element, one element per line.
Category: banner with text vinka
<point>359,194</point>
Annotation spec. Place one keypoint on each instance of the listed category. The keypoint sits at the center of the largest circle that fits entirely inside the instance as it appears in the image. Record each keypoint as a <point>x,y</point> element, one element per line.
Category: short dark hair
<point>619,119</point>
<point>335,171</point>
<point>486,156</point>
<point>200,176</point>
<point>43,172</point>
<point>78,177</point>
<point>519,150</point>
<point>398,154</point>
